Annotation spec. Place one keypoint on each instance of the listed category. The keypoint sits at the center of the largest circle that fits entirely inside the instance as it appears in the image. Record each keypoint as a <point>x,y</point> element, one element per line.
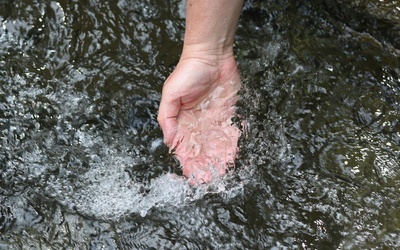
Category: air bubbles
<point>156,144</point>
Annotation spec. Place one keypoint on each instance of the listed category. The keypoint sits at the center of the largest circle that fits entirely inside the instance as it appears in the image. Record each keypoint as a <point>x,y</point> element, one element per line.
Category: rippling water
<point>81,158</point>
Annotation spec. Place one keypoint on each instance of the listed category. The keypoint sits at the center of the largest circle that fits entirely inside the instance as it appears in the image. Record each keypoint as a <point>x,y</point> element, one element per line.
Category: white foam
<point>109,193</point>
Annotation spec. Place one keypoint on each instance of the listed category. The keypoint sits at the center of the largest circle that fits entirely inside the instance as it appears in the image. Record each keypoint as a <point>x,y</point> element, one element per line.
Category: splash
<point>106,191</point>
<point>111,194</point>
<point>209,139</point>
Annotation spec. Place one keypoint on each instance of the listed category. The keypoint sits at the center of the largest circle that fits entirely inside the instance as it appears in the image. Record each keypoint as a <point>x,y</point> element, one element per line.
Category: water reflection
<point>81,159</point>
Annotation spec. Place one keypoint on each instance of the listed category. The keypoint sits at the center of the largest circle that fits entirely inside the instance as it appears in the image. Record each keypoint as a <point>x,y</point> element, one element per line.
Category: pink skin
<point>201,132</point>
<point>207,139</point>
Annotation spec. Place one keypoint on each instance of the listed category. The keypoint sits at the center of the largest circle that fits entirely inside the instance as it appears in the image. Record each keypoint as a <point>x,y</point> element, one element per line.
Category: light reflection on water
<point>81,159</point>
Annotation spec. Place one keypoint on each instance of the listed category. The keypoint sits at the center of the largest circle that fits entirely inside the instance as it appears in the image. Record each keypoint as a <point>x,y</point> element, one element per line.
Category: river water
<point>82,162</point>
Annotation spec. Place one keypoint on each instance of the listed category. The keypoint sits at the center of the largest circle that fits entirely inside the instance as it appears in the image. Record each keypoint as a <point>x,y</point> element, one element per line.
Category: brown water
<point>81,157</point>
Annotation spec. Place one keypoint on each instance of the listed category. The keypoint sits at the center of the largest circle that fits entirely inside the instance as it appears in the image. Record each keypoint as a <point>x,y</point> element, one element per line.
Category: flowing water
<point>82,162</point>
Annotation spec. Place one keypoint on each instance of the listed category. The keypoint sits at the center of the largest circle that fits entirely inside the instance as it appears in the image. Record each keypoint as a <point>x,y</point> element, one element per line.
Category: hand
<point>190,83</point>
<point>195,113</point>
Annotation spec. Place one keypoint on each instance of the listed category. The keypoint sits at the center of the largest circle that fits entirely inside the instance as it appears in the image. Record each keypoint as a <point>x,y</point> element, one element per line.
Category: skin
<point>207,62</point>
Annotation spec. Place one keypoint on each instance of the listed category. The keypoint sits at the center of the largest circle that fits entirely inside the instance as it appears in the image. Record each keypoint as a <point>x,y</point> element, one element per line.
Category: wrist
<point>212,52</point>
<point>220,60</point>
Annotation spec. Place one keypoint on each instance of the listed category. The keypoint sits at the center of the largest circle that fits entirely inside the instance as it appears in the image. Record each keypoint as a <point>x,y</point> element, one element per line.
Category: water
<point>82,162</point>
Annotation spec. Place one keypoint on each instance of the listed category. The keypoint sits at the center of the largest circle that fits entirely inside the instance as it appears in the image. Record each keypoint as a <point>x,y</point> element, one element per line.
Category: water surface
<point>81,158</point>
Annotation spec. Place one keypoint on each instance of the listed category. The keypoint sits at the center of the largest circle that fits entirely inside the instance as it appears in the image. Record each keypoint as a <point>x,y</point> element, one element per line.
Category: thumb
<point>167,118</point>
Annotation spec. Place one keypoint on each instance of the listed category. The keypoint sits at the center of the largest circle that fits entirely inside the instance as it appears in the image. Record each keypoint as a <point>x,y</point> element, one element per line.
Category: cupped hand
<point>195,115</point>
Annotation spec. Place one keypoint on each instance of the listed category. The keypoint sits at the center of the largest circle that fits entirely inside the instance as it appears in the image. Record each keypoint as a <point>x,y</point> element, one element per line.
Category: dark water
<point>81,157</point>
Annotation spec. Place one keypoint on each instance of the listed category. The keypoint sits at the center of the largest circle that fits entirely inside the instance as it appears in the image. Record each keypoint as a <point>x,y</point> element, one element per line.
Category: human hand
<point>195,115</point>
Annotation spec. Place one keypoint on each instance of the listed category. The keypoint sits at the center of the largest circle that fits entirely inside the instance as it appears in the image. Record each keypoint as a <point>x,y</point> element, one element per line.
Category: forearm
<point>211,27</point>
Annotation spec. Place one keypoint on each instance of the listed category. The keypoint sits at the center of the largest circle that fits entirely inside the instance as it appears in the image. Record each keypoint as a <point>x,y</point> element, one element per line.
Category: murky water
<point>82,162</point>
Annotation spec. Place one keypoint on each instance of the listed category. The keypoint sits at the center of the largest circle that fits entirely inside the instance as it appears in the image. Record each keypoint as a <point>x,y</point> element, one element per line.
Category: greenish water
<point>81,157</point>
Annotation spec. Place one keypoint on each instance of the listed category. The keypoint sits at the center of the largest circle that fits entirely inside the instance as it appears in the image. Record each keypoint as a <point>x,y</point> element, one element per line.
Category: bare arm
<point>211,27</point>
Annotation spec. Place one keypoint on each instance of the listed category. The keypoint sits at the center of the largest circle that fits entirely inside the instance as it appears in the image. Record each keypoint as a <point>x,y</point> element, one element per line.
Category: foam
<point>108,192</point>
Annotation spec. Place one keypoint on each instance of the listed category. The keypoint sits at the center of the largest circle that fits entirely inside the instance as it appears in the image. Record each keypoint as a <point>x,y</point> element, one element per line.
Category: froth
<point>110,193</point>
